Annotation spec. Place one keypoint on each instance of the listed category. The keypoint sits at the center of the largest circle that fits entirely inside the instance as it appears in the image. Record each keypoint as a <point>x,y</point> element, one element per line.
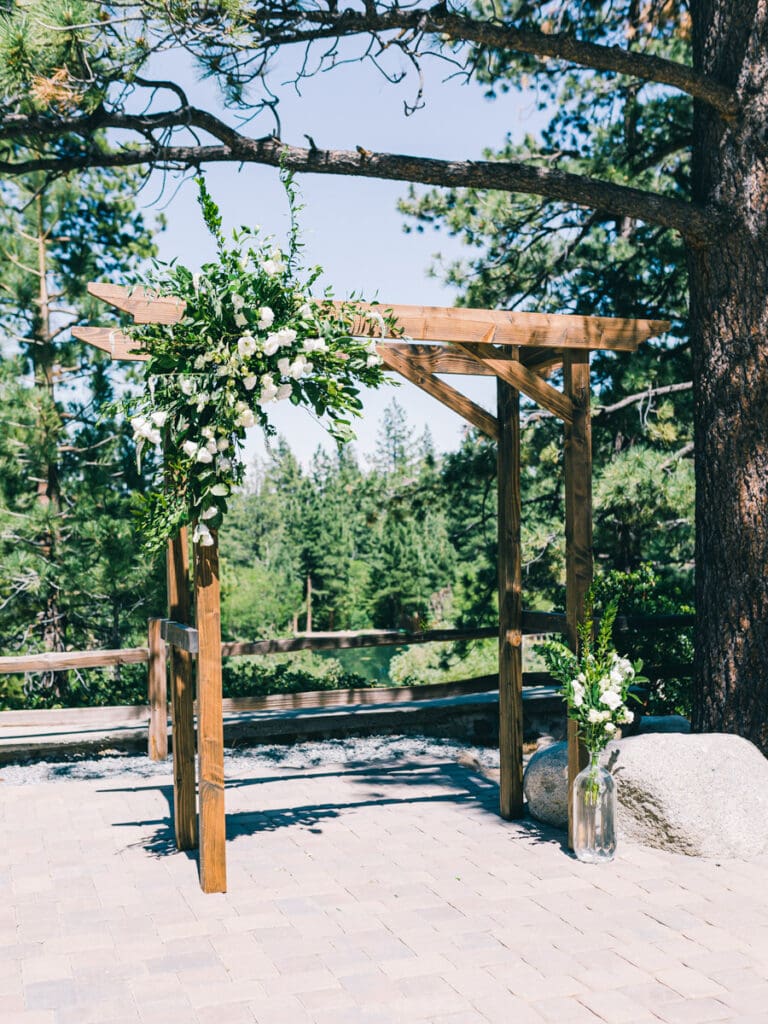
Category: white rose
<point>610,728</point>
<point>210,445</point>
<point>271,267</point>
<point>210,512</point>
<point>287,336</point>
<point>594,716</point>
<point>271,345</point>
<point>199,363</point>
<point>240,320</point>
<point>190,448</point>
<point>220,490</point>
<point>237,301</point>
<point>152,435</point>
<point>222,444</point>
<point>268,390</point>
<point>246,419</point>
<point>283,392</point>
<point>299,367</point>
<point>373,360</point>
<point>249,383</point>
<point>139,424</point>
<point>159,417</point>
<point>187,386</point>
<point>283,365</point>
<point>223,465</point>
<point>246,346</point>
<point>315,345</point>
<point>204,456</point>
<point>266,318</point>
<point>611,699</point>
<point>305,311</point>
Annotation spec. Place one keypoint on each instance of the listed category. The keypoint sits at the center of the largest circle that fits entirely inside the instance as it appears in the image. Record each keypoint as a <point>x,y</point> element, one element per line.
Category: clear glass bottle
<point>594,813</point>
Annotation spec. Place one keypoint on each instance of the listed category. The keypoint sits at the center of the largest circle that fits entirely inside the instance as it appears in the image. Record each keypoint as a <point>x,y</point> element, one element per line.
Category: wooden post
<point>578,529</point>
<point>510,604</point>
<point>158,694</point>
<point>182,699</point>
<point>210,725</point>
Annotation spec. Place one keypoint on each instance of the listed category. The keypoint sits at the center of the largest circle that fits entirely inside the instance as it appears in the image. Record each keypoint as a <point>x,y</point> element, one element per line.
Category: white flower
<point>202,536</point>
<point>611,699</point>
<point>610,728</point>
<point>271,345</point>
<point>210,445</point>
<point>159,417</point>
<point>268,390</point>
<point>272,267</point>
<point>223,465</point>
<point>190,448</point>
<point>237,301</point>
<point>222,444</point>
<point>373,361</point>
<point>203,455</point>
<point>283,392</point>
<point>287,336</point>
<point>187,386</point>
<point>315,345</point>
<point>139,424</point>
<point>266,318</point>
<point>240,320</point>
<point>299,367</point>
<point>249,383</point>
<point>596,716</point>
<point>305,311</point>
<point>283,366</point>
<point>210,512</point>
<point>220,490</point>
<point>246,346</point>
<point>577,697</point>
<point>199,363</point>
<point>196,282</point>
<point>625,716</point>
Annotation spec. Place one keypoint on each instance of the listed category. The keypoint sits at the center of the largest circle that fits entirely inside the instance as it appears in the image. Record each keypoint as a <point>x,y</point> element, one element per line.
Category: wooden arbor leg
<point>510,605</point>
<point>182,696</point>
<point>210,726</point>
<point>158,694</point>
<point>578,529</point>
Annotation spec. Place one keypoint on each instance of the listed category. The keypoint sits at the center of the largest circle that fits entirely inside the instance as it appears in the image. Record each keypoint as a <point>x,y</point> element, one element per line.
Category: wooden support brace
<point>182,700</point>
<point>578,530</point>
<point>524,380</point>
<point>158,693</point>
<point>510,605</point>
<point>112,341</point>
<point>443,392</point>
<point>186,638</point>
<point>210,722</point>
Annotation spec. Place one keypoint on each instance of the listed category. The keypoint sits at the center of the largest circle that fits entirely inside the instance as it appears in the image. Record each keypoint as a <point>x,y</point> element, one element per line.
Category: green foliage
<point>251,335</point>
<point>295,673</point>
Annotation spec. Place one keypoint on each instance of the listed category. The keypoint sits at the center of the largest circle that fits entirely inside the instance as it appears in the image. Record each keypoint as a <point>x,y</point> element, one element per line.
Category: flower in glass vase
<point>595,684</point>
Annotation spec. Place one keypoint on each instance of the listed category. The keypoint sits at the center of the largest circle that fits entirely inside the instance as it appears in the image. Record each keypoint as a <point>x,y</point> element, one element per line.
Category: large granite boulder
<point>700,795</point>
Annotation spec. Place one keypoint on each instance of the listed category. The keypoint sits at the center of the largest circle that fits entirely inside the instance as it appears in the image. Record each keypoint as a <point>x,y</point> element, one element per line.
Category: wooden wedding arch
<point>520,350</point>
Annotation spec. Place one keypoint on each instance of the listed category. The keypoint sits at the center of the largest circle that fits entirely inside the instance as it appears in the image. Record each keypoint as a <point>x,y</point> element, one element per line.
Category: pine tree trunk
<point>729,322</point>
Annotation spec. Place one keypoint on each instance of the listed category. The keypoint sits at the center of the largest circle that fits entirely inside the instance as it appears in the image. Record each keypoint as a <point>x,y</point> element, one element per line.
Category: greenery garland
<point>252,336</point>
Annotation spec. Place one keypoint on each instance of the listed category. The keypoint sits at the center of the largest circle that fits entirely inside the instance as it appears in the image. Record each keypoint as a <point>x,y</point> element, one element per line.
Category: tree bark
<point>729,325</point>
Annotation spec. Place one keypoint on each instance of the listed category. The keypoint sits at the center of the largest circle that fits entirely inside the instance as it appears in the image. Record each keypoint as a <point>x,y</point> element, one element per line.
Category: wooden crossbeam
<point>144,306</point>
<point>545,330</point>
<point>523,379</point>
<point>443,392</point>
<point>112,341</point>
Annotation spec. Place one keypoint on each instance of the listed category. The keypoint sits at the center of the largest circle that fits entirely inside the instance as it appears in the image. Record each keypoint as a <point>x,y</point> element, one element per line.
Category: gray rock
<point>545,785</point>
<point>699,795</point>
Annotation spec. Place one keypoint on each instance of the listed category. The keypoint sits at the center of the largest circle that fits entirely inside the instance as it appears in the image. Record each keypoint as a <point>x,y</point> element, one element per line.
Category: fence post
<point>158,694</point>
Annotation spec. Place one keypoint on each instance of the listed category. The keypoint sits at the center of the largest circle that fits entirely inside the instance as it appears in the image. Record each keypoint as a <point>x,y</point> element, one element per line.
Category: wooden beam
<point>547,330</point>
<point>157,695</point>
<point>442,359</point>
<point>186,638</point>
<point>523,379</point>
<point>182,699</point>
<point>145,307</point>
<point>112,341</point>
<point>210,722</point>
<point>510,604</point>
<point>443,392</point>
<point>578,531</point>
<point>60,660</point>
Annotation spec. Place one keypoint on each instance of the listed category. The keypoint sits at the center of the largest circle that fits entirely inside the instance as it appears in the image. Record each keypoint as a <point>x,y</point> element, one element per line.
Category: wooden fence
<point>535,624</point>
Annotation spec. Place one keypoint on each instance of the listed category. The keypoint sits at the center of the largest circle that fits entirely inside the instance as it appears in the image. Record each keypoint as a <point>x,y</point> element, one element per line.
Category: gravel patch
<point>359,750</point>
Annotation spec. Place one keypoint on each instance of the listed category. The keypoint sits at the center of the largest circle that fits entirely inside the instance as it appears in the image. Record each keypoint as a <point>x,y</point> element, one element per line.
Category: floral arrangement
<point>252,336</point>
<point>595,681</point>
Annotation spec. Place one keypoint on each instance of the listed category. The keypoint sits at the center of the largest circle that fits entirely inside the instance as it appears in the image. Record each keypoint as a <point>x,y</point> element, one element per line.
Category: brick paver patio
<point>359,894</point>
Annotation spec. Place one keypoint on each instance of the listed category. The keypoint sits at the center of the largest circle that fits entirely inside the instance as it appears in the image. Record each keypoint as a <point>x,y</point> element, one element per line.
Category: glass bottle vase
<point>594,813</point>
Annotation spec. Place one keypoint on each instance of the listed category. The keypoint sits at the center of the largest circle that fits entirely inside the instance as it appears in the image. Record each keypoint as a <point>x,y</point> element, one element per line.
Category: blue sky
<point>351,226</point>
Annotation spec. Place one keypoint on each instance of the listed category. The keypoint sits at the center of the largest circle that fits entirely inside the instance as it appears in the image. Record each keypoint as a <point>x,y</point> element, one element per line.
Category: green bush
<point>290,673</point>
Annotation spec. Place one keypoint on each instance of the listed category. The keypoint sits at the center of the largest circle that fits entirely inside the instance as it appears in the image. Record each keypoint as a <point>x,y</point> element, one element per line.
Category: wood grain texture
<point>518,376</point>
<point>210,723</point>
<point>112,341</point>
<point>157,693</point>
<point>181,636</point>
<point>510,604</point>
<point>578,530</point>
<point>182,699</point>
<point>443,392</point>
<point>57,660</point>
<point>545,330</point>
<point>144,306</point>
